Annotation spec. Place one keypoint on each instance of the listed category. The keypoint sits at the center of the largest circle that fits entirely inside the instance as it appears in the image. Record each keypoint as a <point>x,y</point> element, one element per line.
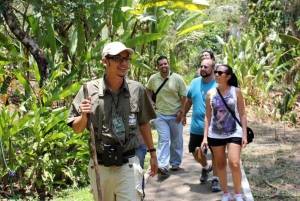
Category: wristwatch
<point>151,150</point>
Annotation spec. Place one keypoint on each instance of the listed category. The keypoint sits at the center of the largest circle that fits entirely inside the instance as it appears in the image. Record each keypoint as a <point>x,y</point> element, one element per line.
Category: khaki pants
<point>118,183</point>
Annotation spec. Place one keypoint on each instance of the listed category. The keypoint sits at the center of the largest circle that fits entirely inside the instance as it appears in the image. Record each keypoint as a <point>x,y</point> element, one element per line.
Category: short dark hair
<point>212,56</point>
<point>161,58</point>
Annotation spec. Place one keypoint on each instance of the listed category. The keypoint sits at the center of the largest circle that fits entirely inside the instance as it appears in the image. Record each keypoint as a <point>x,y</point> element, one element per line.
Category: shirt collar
<point>124,86</point>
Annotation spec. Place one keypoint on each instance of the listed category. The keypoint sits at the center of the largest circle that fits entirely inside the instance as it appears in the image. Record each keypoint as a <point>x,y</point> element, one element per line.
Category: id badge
<point>118,125</point>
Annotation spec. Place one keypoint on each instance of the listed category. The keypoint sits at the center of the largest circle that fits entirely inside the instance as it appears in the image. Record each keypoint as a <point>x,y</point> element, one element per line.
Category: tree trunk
<point>28,42</point>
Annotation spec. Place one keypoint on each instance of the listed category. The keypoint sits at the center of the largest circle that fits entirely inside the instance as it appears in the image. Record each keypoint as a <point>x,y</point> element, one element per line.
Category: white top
<point>222,124</point>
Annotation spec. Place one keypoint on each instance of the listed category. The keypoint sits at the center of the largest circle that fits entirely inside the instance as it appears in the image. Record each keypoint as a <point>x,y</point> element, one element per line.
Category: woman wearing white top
<point>221,130</point>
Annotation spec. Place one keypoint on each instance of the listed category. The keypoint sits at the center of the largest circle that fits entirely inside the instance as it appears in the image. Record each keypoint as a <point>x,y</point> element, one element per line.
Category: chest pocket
<point>134,109</point>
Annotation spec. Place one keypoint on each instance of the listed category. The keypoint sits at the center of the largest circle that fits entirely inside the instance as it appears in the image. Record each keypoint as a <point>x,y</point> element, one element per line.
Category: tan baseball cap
<point>115,48</point>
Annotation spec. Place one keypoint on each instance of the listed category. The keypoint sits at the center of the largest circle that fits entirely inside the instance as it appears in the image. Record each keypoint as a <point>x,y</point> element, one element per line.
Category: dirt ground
<point>272,161</point>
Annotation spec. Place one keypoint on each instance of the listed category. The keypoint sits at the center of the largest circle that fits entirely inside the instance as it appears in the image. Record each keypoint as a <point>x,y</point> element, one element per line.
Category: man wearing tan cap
<point>120,107</point>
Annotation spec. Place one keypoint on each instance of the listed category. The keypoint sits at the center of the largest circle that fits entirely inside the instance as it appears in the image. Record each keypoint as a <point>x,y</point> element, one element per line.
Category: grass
<point>75,195</point>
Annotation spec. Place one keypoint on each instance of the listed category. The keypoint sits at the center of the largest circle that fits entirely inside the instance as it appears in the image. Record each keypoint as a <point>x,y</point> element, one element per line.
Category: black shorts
<point>195,141</point>
<point>221,142</point>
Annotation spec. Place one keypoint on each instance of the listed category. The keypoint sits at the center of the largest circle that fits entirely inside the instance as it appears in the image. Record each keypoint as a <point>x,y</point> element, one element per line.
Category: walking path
<point>184,184</point>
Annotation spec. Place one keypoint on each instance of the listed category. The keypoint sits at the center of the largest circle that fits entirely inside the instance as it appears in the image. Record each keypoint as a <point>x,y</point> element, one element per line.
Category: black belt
<point>100,160</point>
<point>126,155</point>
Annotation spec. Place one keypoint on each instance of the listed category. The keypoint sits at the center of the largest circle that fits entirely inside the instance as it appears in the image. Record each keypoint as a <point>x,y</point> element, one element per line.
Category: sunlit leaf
<point>193,28</point>
<point>139,40</point>
<point>290,39</point>
<point>50,36</point>
<point>164,24</point>
<point>189,20</point>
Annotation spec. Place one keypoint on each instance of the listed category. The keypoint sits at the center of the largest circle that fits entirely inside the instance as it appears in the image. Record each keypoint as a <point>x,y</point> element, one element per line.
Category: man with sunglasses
<point>196,96</point>
<point>206,54</point>
<point>118,108</point>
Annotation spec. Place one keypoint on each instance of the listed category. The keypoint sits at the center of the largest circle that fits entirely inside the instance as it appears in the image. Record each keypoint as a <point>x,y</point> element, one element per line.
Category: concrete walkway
<point>184,184</point>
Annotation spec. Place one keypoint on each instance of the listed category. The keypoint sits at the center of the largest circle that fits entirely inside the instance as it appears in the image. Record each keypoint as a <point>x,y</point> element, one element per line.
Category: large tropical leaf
<point>164,24</point>
<point>290,39</point>
<point>6,42</point>
<point>56,117</point>
<point>96,32</point>
<point>141,65</point>
<point>189,20</point>
<point>65,80</point>
<point>195,27</point>
<point>191,5</point>
<point>117,16</point>
<point>143,39</point>
<point>64,93</point>
<point>51,36</point>
<point>22,80</point>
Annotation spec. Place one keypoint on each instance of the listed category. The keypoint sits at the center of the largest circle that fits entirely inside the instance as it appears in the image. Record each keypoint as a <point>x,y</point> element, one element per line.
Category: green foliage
<point>9,51</point>
<point>72,34</point>
<point>43,148</point>
<point>290,76</point>
<point>270,19</point>
<point>267,16</point>
<point>245,57</point>
<point>189,76</point>
<point>262,67</point>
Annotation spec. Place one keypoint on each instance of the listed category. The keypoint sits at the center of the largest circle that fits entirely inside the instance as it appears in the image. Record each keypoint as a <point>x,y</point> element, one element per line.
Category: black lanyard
<point>116,105</point>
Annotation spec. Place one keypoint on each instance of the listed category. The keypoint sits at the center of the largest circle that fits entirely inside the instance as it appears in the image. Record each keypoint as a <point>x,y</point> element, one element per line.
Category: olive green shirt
<point>140,112</point>
<point>168,99</point>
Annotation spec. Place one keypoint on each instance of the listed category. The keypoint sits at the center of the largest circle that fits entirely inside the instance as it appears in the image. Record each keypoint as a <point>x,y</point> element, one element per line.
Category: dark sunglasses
<point>219,72</point>
<point>203,66</point>
<point>119,58</point>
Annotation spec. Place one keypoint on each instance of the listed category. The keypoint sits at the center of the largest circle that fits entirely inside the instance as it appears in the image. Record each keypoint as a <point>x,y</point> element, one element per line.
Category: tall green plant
<point>290,62</point>
<point>246,58</point>
<point>39,143</point>
<point>259,72</point>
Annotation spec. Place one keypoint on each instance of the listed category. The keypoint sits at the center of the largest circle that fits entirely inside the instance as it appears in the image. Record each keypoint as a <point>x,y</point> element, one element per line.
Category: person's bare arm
<point>179,112</point>
<point>242,115</point>
<point>187,106</point>
<point>206,120</point>
<point>149,94</point>
<point>147,136</point>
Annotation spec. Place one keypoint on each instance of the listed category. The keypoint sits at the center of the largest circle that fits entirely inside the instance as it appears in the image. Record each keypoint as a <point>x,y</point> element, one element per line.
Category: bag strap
<point>162,84</point>
<point>101,109</point>
<point>231,112</point>
<point>127,112</point>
